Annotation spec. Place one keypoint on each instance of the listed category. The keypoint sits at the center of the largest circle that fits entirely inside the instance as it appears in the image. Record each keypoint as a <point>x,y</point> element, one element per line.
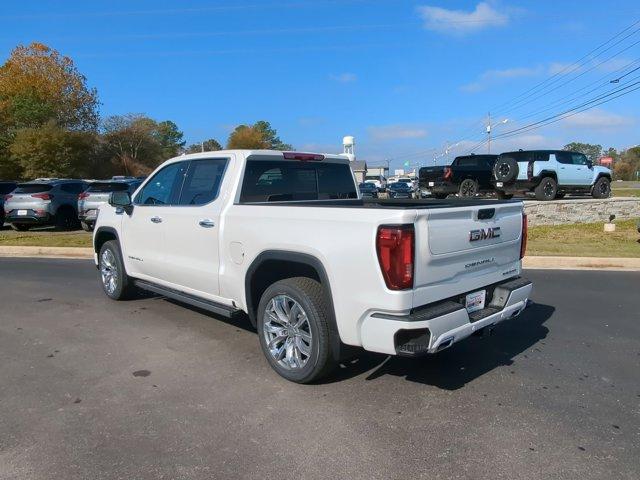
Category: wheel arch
<point>103,235</point>
<point>271,266</point>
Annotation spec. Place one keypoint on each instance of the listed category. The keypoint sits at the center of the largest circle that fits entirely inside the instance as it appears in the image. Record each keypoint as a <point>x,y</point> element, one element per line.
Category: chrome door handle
<point>206,223</point>
<point>156,219</point>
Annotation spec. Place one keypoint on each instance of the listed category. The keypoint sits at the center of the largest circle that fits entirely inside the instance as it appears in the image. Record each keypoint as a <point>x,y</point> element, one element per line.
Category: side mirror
<point>589,164</point>
<point>121,200</point>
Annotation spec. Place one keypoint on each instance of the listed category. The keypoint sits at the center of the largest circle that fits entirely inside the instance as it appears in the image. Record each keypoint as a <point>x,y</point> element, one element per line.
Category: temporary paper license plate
<point>22,212</point>
<point>431,184</point>
<point>475,301</point>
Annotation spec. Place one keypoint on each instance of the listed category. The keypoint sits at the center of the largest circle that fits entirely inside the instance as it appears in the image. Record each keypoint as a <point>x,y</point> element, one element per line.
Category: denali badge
<point>484,234</point>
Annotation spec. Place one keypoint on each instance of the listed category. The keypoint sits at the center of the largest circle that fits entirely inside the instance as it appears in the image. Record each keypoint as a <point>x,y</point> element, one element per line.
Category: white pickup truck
<point>285,238</point>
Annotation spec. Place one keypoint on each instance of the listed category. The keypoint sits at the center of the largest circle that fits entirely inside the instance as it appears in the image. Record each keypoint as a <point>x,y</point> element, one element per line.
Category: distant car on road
<point>368,190</point>
<point>5,189</point>
<point>467,176</point>
<point>45,201</point>
<point>97,194</point>
<point>400,190</point>
<point>549,174</point>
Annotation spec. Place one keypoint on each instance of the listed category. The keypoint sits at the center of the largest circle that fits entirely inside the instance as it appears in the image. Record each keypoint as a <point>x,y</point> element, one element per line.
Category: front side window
<point>164,186</point>
<point>202,182</point>
<point>579,159</point>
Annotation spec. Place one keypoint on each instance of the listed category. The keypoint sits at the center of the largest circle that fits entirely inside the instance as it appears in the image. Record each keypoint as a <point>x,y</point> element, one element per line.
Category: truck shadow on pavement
<point>453,368</point>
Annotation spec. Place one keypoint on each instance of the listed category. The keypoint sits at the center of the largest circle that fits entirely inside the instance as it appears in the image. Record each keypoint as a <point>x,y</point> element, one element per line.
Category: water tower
<point>349,144</point>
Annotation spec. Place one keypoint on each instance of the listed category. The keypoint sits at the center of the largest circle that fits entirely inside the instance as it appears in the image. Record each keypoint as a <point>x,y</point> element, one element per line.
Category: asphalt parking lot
<point>94,389</point>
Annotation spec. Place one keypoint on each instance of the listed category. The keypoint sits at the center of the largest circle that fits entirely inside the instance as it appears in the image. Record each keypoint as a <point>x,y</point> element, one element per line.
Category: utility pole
<point>202,147</point>
<point>489,134</point>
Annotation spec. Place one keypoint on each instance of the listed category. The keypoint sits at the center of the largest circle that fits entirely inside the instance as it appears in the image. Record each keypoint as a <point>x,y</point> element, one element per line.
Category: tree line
<point>50,125</point>
<point>626,162</point>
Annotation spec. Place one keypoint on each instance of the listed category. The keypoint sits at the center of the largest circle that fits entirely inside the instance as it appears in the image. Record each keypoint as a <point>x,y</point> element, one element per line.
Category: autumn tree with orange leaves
<point>41,91</point>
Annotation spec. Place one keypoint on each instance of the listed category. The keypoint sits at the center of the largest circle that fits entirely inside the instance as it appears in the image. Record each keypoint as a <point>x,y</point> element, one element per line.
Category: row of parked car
<point>67,204</point>
<point>547,174</point>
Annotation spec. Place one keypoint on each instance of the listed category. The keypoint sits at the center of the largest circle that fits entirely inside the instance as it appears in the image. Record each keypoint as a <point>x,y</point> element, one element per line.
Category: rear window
<point>7,188</point>
<point>97,187</point>
<point>282,181</point>
<point>33,188</point>
<point>399,186</point>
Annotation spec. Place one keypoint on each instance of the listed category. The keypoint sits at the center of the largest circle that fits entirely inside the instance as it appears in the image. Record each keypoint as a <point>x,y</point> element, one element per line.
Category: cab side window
<point>202,182</point>
<point>164,187</point>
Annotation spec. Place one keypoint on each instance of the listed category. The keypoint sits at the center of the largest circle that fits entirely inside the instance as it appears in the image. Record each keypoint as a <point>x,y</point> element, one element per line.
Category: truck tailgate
<point>462,248</point>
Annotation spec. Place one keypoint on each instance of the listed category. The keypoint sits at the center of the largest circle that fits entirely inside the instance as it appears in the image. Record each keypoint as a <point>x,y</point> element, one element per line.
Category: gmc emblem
<point>484,234</point>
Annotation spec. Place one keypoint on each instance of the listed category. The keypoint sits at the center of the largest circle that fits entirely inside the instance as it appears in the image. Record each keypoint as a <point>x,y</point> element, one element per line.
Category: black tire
<point>20,227</point>
<point>504,196</point>
<point>66,219</point>
<point>602,188</point>
<point>546,189</point>
<point>505,170</point>
<point>86,227</point>
<point>311,298</point>
<point>441,196</point>
<point>560,195</point>
<point>123,287</point>
<point>468,188</point>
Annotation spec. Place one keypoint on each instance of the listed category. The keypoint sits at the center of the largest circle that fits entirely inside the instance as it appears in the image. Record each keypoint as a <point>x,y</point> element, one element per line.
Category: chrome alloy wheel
<point>109,271</point>
<point>287,332</point>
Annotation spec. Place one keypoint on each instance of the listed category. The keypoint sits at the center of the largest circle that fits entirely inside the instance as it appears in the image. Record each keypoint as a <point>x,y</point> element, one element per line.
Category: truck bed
<point>400,204</point>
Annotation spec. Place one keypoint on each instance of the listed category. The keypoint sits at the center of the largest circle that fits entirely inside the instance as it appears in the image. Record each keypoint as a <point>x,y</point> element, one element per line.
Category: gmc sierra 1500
<point>285,238</point>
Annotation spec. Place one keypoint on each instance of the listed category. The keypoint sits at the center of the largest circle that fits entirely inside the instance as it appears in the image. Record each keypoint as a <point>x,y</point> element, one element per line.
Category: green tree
<point>593,152</point>
<point>260,135</point>
<point>50,150</point>
<point>132,142</point>
<point>210,145</point>
<point>271,136</point>
<point>170,138</point>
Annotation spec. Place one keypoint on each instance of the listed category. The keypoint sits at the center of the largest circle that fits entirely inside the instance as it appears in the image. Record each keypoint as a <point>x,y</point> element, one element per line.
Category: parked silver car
<point>97,194</point>
<point>45,201</point>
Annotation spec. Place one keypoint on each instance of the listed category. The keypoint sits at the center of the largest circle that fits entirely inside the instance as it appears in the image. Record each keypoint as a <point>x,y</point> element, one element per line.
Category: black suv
<point>467,176</point>
<point>5,189</point>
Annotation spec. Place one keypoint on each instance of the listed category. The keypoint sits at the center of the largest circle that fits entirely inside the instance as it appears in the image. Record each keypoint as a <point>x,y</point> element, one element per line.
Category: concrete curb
<point>46,252</point>
<point>582,263</point>
<point>547,263</point>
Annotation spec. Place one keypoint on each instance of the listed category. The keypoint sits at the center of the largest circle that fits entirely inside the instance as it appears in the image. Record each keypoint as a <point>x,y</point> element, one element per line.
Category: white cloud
<point>490,77</point>
<point>460,22</point>
<point>344,77</point>
<point>597,120</point>
<point>396,132</point>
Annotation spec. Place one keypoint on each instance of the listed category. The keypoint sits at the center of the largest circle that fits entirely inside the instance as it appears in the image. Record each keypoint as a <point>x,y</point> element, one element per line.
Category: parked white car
<point>285,238</point>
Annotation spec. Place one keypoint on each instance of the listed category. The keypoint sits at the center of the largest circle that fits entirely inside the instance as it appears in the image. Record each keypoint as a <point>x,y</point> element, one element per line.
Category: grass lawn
<point>44,238</point>
<point>626,192</point>
<point>578,240</point>
<point>585,240</point>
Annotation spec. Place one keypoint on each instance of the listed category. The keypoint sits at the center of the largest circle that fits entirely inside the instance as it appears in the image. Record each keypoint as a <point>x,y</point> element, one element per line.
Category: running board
<point>204,304</point>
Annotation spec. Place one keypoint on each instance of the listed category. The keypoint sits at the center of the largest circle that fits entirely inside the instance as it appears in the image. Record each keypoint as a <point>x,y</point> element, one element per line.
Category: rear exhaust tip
<point>446,343</point>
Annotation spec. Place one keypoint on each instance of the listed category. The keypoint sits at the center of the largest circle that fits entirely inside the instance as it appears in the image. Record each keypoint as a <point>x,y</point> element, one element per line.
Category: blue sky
<point>403,77</point>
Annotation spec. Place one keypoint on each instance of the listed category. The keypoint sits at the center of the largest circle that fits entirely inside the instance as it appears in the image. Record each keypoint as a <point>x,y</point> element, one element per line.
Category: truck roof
<point>264,155</point>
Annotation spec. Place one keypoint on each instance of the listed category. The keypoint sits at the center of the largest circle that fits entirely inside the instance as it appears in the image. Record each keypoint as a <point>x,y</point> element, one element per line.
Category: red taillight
<point>303,156</point>
<point>447,173</point>
<point>83,195</point>
<point>395,246</point>
<point>523,238</point>
<point>42,196</point>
